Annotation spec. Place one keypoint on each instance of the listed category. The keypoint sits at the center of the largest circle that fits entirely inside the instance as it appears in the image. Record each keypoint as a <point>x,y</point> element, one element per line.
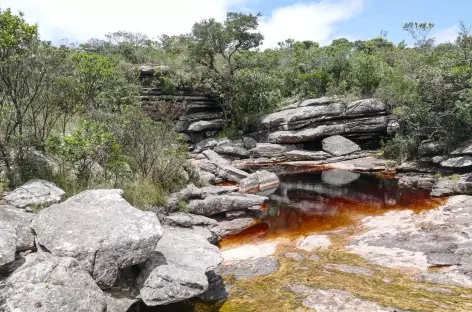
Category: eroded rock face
<point>36,193</point>
<point>317,118</point>
<point>8,241</point>
<point>48,283</point>
<point>101,230</point>
<point>21,222</point>
<point>339,146</point>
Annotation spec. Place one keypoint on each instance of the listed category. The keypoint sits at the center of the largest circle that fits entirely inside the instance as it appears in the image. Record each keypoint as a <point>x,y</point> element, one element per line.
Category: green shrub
<point>144,194</point>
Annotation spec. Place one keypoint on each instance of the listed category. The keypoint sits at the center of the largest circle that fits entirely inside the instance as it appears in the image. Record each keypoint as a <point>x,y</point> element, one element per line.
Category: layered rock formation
<point>314,119</point>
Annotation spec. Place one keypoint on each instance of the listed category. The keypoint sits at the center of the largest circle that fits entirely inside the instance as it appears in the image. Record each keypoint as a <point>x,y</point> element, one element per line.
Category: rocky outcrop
<point>48,283</point>
<point>315,119</point>
<point>269,150</point>
<point>258,182</point>
<point>35,194</point>
<point>215,204</point>
<point>177,270</point>
<point>339,146</point>
<point>301,155</point>
<point>101,230</point>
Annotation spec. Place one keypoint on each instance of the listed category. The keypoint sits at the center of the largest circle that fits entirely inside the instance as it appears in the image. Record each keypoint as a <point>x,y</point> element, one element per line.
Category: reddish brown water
<point>316,201</point>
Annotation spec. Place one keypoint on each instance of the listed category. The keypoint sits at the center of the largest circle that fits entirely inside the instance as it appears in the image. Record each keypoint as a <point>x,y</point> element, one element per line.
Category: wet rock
<point>419,182</point>
<point>204,125</point>
<point>339,177</point>
<point>206,144</point>
<point>250,251</point>
<point>268,150</point>
<point>101,230</point>
<point>249,143</point>
<point>360,162</point>
<point>338,146</point>
<point>294,256</point>
<point>21,222</point>
<point>301,155</point>
<point>430,148</point>
<point>245,269</point>
<point>49,283</point>
<point>314,242</point>
<point>350,269</point>
<point>8,241</point>
<point>217,290</point>
<point>235,226</point>
<point>333,300</point>
<point>258,182</point>
<point>35,194</point>
<point>457,162</point>
<point>214,204</point>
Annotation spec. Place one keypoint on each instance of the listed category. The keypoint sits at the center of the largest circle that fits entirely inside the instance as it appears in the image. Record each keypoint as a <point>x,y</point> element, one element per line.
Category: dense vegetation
<point>79,105</point>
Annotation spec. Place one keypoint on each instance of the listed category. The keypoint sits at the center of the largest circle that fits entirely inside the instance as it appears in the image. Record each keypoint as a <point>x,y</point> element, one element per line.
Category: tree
<point>420,33</point>
<point>217,47</point>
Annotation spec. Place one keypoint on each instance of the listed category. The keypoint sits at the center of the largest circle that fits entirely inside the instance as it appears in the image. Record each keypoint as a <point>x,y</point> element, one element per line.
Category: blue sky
<point>318,20</point>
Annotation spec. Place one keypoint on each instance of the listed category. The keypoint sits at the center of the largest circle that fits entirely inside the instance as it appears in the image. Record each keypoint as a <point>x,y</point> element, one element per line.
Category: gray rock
<point>214,204</point>
<point>206,144</point>
<point>8,241</point>
<point>333,300</point>
<point>225,172</point>
<point>188,220</point>
<point>259,181</point>
<point>464,149</point>
<point>419,182</point>
<point>101,230</point>
<point>339,177</point>
<point>306,155</point>
<point>249,143</point>
<point>457,162</point>
<point>430,148</point>
<point>21,222</point>
<point>214,157</point>
<point>339,146</point>
<point>310,134</point>
<point>235,226</point>
<point>232,150</point>
<point>245,269</point>
<point>217,290</point>
<point>443,187</point>
<point>204,125</point>
<point>268,150</point>
<point>35,194</point>
<point>118,303</point>
<point>230,215</point>
<point>294,256</point>
<point>350,269</point>
<point>49,283</point>
<point>415,166</point>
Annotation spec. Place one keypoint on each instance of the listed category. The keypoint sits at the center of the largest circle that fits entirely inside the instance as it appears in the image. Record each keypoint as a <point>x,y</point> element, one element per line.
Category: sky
<point>317,20</point>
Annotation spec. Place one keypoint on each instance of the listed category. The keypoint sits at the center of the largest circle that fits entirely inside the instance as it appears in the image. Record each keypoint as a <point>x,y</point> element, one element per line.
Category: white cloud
<point>446,35</point>
<point>81,20</point>
<point>314,21</point>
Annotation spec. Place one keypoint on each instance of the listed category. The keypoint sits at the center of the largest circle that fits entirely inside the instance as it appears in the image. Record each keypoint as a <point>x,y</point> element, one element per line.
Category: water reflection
<point>314,201</point>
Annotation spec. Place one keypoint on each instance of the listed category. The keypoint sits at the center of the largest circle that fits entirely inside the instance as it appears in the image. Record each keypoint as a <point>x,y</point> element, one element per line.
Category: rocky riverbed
<point>335,229</point>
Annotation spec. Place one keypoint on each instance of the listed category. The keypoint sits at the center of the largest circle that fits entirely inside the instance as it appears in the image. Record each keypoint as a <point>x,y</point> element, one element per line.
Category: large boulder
<point>464,149</point>
<point>35,194</point>
<point>177,270</point>
<point>48,283</point>
<point>215,204</point>
<point>21,222</point>
<point>339,177</point>
<point>338,146</point>
<point>430,148</point>
<point>8,241</point>
<point>224,171</point>
<point>101,230</point>
<point>204,125</point>
<point>259,181</point>
<point>457,162</point>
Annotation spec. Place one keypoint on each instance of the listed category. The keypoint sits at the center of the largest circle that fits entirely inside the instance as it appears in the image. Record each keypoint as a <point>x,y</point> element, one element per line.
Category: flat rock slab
<point>101,230</point>
<point>333,300</point>
<point>48,283</point>
<point>350,269</point>
<point>35,194</point>
<point>306,155</point>
<point>294,256</point>
<point>235,226</point>
<point>339,177</point>
<point>259,181</point>
<point>214,204</point>
<point>269,150</point>
<point>338,146</point>
<point>457,162</point>
<point>250,251</point>
<point>314,242</point>
<point>245,269</point>
<point>21,222</point>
